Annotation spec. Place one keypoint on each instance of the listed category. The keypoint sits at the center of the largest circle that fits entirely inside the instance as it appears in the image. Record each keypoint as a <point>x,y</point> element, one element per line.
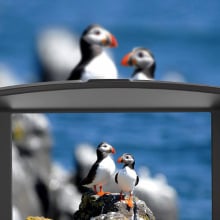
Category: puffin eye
<point>97,32</point>
<point>140,54</point>
<point>127,157</point>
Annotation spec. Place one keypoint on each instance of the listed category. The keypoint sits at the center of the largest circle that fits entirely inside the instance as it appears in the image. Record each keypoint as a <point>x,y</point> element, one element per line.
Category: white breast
<point>141,76</point>
<point>105,170</point>
<point>126,179</point>
<point>101,67</point>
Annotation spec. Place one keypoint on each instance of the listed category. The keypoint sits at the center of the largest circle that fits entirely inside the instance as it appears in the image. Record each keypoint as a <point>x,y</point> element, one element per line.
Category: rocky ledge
<point>94,207</point>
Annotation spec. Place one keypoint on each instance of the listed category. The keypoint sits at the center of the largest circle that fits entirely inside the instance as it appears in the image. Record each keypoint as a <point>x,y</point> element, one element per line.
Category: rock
<point>16,215</point>
<point>109,207</point>
<point>32,136</point>
<point>24,196</point>
<point>65,198</point>
<point>31,133</point>
<point>37,218</point>
<point>57,53</point>
<point>33,141</point>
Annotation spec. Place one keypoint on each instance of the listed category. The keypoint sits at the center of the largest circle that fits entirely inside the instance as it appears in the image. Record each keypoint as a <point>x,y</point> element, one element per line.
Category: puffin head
<point>105,149</point>
<point>127,160</point>
<point>97,35</point>
<point>139,57</point>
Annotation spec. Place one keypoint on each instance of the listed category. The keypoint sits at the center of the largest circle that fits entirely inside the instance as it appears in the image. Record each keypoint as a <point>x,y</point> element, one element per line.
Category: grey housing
<point>106,96</point>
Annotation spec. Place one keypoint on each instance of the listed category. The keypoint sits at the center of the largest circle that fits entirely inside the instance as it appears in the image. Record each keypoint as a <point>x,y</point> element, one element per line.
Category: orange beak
<point>126,60</point>
<point>120,160</point>
<point>113,150</point>
<point>113,41</point>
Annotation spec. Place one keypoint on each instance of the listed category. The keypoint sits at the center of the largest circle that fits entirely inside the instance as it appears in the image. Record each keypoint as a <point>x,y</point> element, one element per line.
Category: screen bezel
<point>106,96</point>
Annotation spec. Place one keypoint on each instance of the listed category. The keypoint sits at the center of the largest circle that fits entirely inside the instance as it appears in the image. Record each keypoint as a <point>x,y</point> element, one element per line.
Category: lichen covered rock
<point>37,218</point>
<point>109,207</point>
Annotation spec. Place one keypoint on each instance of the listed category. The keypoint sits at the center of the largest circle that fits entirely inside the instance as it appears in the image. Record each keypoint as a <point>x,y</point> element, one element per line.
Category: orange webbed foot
<point>102,193</point>
<point>129,202</point>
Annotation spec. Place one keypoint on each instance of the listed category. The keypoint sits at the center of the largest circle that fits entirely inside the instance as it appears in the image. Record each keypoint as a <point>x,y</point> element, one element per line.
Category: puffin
<point>101,170</point>
<point>95,62</point>
<point>127,178</point>
<point>144,62</point>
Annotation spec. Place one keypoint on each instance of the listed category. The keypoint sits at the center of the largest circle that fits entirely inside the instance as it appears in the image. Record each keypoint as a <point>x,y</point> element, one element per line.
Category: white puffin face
<point>126,159</point>
<point>142,58</point>
<point>100,36</point>
<point>106,148</point>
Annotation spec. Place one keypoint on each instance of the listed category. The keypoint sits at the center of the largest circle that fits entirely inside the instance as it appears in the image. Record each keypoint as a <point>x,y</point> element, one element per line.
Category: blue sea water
<point>184,37</point>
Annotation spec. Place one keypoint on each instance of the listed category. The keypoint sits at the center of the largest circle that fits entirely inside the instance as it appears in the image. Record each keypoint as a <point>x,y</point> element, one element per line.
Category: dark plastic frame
<point>106,96</point>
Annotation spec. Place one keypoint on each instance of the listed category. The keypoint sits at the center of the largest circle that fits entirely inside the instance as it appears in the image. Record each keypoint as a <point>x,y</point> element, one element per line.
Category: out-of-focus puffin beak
<point>110,41</point>
<point>127,60</point>
<point>113,41</point>
<point>120,160</point>
<point>113,150</point>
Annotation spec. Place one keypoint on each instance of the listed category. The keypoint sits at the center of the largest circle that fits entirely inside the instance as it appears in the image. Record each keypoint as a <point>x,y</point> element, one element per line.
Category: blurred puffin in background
<point>95,63</point>
<point>144,62</point>
<point>127,178</point>
<point>101,170</point>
